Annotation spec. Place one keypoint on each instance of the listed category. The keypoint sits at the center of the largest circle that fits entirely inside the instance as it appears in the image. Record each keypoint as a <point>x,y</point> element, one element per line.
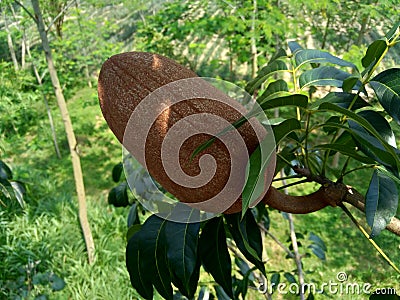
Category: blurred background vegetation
<point>42,251</point>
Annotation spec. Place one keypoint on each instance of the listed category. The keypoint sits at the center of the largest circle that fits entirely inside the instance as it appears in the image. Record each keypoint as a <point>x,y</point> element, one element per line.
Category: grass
<point>47,233</point>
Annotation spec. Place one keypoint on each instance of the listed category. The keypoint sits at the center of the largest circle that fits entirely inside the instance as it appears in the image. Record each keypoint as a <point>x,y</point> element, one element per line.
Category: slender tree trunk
<point>46,103</point>
<point>10,42</point>
<point>23,41</point>
<point>324,38</point>
<point>363,30</point>
<point>69,132</point>
<point>84,50</point>
<point>254,64</point>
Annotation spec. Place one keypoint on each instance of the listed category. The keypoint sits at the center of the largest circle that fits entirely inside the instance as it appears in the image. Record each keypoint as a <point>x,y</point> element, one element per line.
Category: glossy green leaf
<point>275,89</point>
<point>247,237</point>
<point>369,144</point>
<point>387,88</point>
<point>374,53</point>
<point>343,100</point>
<point>274,67</point>
<point>244,268</point>
<point>294,47</point>
<point>381,202</point>
<point>214,253</point>
<point>146,260</point>
<point>290,100</point>
<point>255,185</point>
<point>118,196</point>
<point>19,192</point>
<point>117,171</point>
<point>367,126</point>
<point>346,150</point>
<point>323,76</point>
<point>182,242</point>
<point>283,129</point>
<point>281,53</point>
<point>275,280</point>
<point>393,31</point>
<point>309,56</point>
<point>351,83</point>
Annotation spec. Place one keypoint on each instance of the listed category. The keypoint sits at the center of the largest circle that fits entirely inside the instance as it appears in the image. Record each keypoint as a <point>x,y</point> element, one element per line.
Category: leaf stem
<point>373,243</point>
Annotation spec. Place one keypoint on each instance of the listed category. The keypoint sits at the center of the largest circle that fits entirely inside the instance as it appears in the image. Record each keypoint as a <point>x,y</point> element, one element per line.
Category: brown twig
<point>330,194</point>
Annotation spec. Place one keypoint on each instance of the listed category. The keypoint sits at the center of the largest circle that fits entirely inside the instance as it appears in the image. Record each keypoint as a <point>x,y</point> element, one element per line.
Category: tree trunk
<point>254,64</point>
<point>10,43</point>
<point>46,103</point>
<point>69,132</point>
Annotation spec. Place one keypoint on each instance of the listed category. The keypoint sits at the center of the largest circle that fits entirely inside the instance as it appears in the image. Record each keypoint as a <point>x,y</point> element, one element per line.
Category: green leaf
<point>270,69</point>
<point>118,196</point>
<point>117,171</point>
<point>368,143</point>
<point>294,47</point>
<point>290,100</point>
<point>255,186</point>
<point>214,253</point>
<point>346,150</point>
<point>387,88</point>
<point>289,277</point>
<point>309,56</point>
<point>283,129</point>
<point>323,76</point>
<point>278,54</point>
<point>351,83</point>
<point>274,90</point>
<point>343,100</point>
<point>381,202</point>
<point>182,241</point>
<point>318,251</point>
<point>57,283</point>
<point>247,237</point>
<point>133,216</point>
<point>275,280</point>
<point>367,126</point>
<point>146,260</point>
<point>374,53</point>
<point>19,191</point>
<point>392,32</point>
<point>132,230</point>
<point>5,171</point>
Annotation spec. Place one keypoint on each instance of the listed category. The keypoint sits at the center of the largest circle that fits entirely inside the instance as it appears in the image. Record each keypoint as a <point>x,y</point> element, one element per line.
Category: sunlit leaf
<point>374,53</point>
<point>274,67</point>
<point>381,202</point>
<point>283,129</point>
<point>274,90</point>
<point>323,76</point>
<point>290,100</point>
<point>387,88</point>
<point>392,32</point>
<point>214,253</point>
<point>255,185</point>
<point>304,56</point>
